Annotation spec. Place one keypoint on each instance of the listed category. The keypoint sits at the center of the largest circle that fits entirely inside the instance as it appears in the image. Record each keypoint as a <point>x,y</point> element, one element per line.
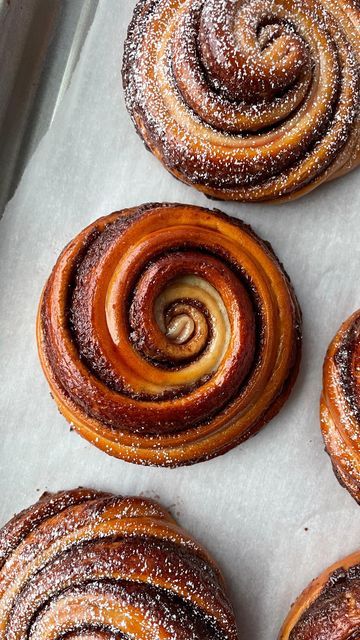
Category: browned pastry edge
<point>329,607</point>
<point>340,407</point>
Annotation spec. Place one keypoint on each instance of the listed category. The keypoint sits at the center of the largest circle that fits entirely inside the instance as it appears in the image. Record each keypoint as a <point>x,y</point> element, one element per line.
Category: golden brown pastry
<point>340,404</point>
<point>329,609</point>
<point>247,99</point>
<point>85,564</point>
<point>168,334</point>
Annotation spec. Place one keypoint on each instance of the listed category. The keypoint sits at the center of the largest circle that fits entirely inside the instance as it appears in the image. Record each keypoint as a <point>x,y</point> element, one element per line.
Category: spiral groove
<point>168,334</point>
<point>329,607</point>
<point>85,564</point>
<point>247,99</point>
<point>340,404</point>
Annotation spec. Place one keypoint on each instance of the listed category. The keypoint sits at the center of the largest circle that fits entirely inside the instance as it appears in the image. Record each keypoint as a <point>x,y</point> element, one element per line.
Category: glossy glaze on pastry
<point>329,609</point>
<point>86,564</point>
<point>168,334</point>
<point>247,99</point>
<point>340,404</point>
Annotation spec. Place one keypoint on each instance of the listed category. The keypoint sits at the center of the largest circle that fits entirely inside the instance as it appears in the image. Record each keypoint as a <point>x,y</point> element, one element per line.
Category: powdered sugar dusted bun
<point>247,99</point>
<point>329,608</point>
<point>340,404</point>
<point>85,564</point>
<point>168,334</point>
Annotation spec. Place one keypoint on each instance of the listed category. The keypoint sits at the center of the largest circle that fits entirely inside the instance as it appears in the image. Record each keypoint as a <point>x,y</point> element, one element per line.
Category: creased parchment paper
<point>271,510</point>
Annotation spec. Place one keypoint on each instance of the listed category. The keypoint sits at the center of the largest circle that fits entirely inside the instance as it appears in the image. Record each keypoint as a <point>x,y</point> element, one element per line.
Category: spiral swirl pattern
<point>329,607</point>
<point>340,404</point>
<point>85,564</point>
<point>247,100</point>
<point>168,334</point>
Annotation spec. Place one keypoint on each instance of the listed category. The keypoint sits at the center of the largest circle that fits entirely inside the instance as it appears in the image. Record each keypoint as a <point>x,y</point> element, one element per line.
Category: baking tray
<point>271,510</point>
<point>40,44</point>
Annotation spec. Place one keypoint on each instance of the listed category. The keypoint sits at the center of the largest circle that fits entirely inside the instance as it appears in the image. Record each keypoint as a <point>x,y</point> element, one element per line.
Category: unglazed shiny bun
<point>247,99</point>
<point>168,334</point>
<point>340,404</point>
<point>84,564</point>
<point>329,609</point>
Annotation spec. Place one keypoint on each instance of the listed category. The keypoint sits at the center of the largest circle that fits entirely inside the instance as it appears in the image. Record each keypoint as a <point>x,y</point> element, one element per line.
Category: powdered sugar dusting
<point>107,566</point>
<point>340,412</point>
<point>246,100</point>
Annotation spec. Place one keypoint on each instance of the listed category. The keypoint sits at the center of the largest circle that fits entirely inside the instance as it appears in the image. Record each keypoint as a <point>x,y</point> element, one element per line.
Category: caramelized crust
<point>168,334</point>
<point>330,606</point>
<point>249,100</point>
<point>85,564</point>
<point>340,404</point>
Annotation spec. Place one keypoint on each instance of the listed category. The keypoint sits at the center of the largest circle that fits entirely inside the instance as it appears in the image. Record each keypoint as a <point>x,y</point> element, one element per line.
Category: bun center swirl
<point>250,51</point>
<point>179,318</point>
<point>180,326</point>
<point>192,314</point>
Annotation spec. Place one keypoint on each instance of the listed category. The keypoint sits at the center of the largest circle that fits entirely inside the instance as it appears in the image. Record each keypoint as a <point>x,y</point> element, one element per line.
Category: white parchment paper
<point>271,510</point>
